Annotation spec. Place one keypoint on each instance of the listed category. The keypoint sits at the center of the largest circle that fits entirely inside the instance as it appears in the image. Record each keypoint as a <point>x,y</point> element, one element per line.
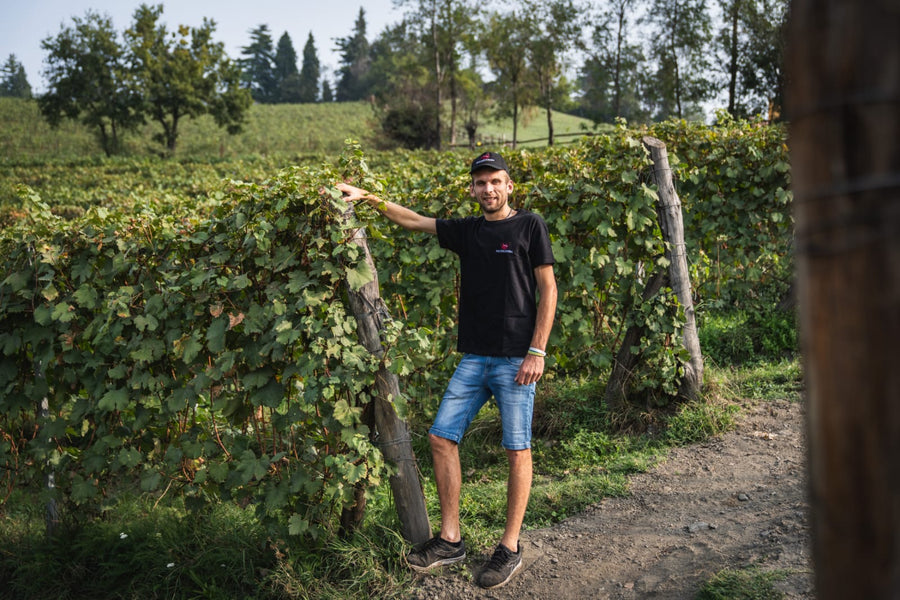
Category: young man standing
<point>506,308</point>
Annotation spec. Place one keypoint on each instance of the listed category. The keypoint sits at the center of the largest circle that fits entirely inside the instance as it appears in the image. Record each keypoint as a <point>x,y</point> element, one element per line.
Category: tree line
<point>435,76</point>
<point>449,64</point>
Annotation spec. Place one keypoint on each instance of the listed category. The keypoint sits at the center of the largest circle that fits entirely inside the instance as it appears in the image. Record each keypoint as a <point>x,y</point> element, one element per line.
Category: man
<point>506,263</point>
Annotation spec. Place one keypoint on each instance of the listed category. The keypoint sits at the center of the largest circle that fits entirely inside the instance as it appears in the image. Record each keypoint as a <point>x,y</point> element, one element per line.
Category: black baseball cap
<point>489,160</point>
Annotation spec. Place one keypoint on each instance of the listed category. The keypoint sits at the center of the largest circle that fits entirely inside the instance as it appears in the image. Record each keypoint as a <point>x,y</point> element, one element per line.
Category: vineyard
<point>183,327</point>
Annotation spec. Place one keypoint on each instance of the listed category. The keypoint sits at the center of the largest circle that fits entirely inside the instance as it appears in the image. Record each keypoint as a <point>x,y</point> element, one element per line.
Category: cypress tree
<point>355,61</point>
<point>286,74</point>
<point>309,73</point>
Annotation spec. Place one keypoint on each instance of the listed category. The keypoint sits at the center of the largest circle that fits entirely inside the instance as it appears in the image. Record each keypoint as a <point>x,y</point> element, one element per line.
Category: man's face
<point>491,189</point>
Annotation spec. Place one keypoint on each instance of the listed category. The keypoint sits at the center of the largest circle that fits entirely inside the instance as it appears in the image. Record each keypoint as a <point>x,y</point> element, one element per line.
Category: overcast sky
<point>24,23</point>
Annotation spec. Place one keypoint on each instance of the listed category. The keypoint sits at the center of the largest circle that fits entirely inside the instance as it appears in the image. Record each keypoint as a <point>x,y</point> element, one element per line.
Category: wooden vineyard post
<point>671,223</point>
<point>844,116</point>
<point>393,433</point>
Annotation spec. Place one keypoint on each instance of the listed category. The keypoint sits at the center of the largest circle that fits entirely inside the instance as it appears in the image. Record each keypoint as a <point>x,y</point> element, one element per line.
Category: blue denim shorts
<point>476,379</point>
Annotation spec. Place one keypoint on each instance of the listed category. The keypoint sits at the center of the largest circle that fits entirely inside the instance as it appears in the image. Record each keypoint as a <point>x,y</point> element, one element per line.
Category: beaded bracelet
<point>537,352</point>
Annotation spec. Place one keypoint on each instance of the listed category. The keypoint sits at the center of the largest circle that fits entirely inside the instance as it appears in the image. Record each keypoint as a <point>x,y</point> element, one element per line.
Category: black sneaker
<point>500,569</point>
<point>436,552</point>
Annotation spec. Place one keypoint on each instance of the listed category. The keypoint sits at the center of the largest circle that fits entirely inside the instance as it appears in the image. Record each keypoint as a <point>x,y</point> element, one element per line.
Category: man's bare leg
<point>448,476</point>
<point>518,489</point>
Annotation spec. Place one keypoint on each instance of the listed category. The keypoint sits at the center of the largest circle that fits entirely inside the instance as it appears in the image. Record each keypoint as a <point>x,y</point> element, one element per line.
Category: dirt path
<point>736,501</point>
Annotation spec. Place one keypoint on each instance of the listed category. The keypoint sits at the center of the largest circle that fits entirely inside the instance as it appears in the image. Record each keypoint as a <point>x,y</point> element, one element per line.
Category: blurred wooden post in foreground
<point>844,114</point>
<point>394,439</point>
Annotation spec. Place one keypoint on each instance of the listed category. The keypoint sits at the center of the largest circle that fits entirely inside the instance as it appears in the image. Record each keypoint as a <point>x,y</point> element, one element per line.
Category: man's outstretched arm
<point>400,215</point>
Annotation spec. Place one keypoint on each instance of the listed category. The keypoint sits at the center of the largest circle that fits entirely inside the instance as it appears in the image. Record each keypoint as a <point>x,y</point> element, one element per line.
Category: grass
<point>751,583</point>
<point>138,550</point>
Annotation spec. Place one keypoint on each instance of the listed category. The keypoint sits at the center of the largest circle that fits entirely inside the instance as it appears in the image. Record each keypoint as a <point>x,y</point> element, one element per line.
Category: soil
<point>736,501</point>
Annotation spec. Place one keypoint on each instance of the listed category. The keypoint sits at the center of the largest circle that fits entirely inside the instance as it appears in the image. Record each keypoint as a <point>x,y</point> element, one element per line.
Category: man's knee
<point>441,445</point>
<point>519,457</point>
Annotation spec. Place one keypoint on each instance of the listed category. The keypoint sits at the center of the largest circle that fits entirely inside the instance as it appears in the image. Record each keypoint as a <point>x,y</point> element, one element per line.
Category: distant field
<point>293,129</point>
<point>533,126</point>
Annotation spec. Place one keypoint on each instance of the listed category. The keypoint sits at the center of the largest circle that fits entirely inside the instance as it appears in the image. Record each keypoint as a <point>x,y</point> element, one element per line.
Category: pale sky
<point>25,23</point>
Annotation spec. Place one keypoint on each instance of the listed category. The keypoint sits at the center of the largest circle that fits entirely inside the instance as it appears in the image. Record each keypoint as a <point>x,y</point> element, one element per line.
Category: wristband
<point>537,352</point>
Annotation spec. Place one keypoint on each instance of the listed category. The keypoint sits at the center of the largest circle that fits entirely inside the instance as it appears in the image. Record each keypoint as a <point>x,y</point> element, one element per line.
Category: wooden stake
<point>393,433</point>
<point>671,223</point>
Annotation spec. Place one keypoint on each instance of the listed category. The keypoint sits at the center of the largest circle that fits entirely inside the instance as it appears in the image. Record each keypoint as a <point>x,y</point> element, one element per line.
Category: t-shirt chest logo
<point>504,249</point>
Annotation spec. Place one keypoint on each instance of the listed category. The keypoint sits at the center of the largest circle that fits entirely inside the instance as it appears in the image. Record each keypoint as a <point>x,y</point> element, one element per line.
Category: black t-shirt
<point>497,299</point>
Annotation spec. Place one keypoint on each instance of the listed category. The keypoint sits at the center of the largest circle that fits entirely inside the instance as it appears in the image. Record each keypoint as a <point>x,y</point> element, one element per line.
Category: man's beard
<point>491,211</point>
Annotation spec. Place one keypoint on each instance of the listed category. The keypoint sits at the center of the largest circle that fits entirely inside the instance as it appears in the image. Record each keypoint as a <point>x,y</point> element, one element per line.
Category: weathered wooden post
<point>671,223</point>
<point>844,115</point>
<point>393,433</point>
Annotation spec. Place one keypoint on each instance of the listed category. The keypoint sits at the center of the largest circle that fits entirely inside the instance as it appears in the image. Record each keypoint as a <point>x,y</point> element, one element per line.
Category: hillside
<point>271,129</point>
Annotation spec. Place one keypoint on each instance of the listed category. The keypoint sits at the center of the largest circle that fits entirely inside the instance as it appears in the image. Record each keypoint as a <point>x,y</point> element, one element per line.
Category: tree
<point>89,80</point>
<point>681,36</point>
<point>507,38</point>
<point>474,102</point>
<point>729,40</point>
<point>353,79</point>
<point>287,77</point>
<point>445,27</point>
<point>403,87</point>
<point>612,75</point>
<point>556,28</point>
<point>258,66</point>
<point>762,73</point>
<point>751,43</point>
<point>183,74</point>
<point>309,73</point>
<point>14,83</point>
